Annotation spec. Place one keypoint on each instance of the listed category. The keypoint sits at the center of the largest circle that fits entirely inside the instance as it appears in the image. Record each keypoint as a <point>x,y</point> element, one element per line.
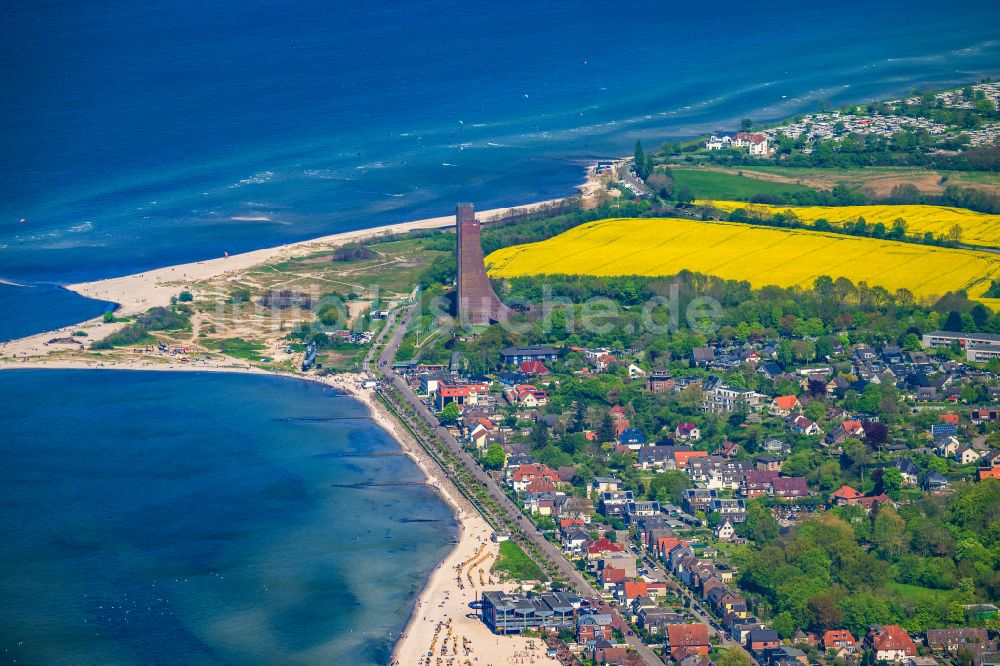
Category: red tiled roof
<point>786,401</point>
<point>892,637</point>
<point>834,636</point>
<point>847,493</point>
<point>635,588</point>
<point>683,635</point>
<point>603,545</point>
<point>541,485</point>
<point>612,575</point>
<point>534,470</point>
<point>534,368</point>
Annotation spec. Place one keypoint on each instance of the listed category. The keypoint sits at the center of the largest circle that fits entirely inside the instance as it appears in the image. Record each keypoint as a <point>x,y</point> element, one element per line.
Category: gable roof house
<point>632,438</point>
<point>687,431</point>
<point>784,405</point>
<point>975,639</point>
<point>790,487</point>
<point>839,639</point>
<point>890,643</point>
<point>846,495</point>
<point>686,637</point>
<point>966,455</point>
<point>799,424</point>
<point>907,469</point>
<point>763,639</point>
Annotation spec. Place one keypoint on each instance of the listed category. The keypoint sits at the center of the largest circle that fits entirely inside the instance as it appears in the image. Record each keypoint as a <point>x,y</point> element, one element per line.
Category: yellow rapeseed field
<point>761,255</point>
<point>977,228</point>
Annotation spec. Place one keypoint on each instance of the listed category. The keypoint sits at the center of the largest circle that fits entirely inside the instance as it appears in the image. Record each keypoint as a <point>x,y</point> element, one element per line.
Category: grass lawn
<point>918,594</point>
<point>237,348</point>
<point>514,564</point>
<point>716,185</point>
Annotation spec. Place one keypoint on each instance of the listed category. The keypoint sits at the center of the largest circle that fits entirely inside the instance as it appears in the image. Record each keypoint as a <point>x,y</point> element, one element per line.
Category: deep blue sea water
<point>166,518</point>
<point>156,517</point>
<point>132,134</point>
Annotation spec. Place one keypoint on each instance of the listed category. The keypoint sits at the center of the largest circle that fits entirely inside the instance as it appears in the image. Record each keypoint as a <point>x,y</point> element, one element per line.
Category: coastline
<point>140,291</point>
<point>441,620</point>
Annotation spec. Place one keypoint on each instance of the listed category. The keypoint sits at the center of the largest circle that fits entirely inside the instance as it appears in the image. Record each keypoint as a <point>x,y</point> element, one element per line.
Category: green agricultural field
<point>730,185</point>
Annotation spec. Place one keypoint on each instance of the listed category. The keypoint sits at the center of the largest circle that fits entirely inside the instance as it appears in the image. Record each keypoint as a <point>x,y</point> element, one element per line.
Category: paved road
<point>534,535</point>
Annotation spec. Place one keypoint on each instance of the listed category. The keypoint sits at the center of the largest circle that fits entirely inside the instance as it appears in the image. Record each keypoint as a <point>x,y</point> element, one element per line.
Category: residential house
<point>775,446</point>
<point>728,449</point>
<point>721,399</point>
<point>966,455</point>
<point>612,503</point>
<point>790,488</point>
<point>611,577</point>
<point>683,455</point>
<point>726,531</point>
<point>729,509</point>
<point>845,496</point>
<point>536,368</point>
<point>757,483</point>
<point>659,381</point>
<point>527,395</point>
<point>522,475</point>
<point>593,627</point>
<point>636,510</point>
<point>687,432</point>
<point>759,640</point>
<point>460,392</point>
<point>632,438</point>
<point>515,355</point>
<point>657,457</point>
<point>799,424</point>
<point>684,638</point>
<point>974,639</point>
<point>934,481</point>
<point>604,653</point>
<point>907,469</point>
<point>718,142</point>
<point>839,640</point>
<point>606,484</point>
<point>784,405</point>
<point>656,620</point>
<point>703,355</point>
<point>769,464</point>
<point>890,643</point>
<point>601,547</point>
<point>947,446</point>
<point>698,499</point>
<point>755,143</point>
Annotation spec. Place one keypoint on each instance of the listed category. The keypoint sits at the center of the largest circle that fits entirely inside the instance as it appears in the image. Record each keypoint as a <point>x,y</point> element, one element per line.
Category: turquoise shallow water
<point>204,518</point>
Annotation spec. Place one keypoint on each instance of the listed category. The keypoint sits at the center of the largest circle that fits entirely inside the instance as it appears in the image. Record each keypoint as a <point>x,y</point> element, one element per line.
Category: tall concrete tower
<point>478,304</point>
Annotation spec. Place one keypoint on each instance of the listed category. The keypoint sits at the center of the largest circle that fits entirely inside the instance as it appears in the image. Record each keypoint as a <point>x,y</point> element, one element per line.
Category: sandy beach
<point>443,629</point>
<point>140,291</point>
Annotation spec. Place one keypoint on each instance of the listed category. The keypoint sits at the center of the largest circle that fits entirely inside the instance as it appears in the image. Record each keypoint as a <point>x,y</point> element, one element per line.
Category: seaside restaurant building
<point>506,613</point>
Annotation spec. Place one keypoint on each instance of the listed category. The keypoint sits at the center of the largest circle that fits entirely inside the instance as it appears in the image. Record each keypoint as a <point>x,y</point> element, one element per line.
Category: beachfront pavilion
<point>506,613</point>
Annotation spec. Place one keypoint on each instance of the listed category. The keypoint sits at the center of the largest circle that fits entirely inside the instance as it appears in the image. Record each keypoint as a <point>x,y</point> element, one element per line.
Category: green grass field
<point>514,564</point>
<point>918,594</point>
<point>712,184</point>
<point>237,348</point>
